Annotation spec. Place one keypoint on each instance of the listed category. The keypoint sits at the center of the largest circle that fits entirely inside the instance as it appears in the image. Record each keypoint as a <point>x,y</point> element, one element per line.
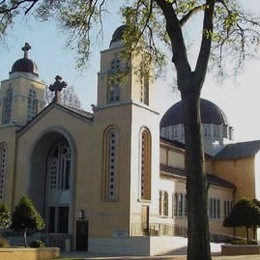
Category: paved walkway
<point>84,255</point>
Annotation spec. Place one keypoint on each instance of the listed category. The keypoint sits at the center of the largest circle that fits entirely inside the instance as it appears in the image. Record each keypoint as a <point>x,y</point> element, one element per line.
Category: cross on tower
<point>26,49</point>
<point>57,87</point>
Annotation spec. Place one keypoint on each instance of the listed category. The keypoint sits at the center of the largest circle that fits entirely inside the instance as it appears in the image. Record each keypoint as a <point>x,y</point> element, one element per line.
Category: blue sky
<point>239,99</point>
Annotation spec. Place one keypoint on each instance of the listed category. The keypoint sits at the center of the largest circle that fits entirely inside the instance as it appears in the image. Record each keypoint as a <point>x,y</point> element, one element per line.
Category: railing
<point>157,229</point>
<point>160,229</point>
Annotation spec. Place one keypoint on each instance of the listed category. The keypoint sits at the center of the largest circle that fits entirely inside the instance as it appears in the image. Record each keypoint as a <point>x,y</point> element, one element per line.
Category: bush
<point>252,242</point>
<point>4,242</point>
<point>243,242</point>
<point>37,243</point>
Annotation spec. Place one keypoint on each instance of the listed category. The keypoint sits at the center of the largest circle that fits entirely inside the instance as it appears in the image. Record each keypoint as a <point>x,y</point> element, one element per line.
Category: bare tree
<point>227,36</point>
<point>68,97</point>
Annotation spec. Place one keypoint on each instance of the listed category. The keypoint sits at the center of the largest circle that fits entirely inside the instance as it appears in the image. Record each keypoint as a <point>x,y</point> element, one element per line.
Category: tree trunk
<point>247,235</point>
<point>25,237</point>
<point>197,189</point>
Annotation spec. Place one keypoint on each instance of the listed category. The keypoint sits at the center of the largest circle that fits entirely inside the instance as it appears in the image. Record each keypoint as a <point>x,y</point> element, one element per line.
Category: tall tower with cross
<point>22,94</point>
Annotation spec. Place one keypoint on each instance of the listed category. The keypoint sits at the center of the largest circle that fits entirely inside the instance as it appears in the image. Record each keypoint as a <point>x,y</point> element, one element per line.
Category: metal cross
<point>57,87</point>
<point>26,49</point>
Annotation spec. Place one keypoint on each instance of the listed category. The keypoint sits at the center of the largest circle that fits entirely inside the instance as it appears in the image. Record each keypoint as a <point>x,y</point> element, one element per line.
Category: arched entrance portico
<point>52,184</point>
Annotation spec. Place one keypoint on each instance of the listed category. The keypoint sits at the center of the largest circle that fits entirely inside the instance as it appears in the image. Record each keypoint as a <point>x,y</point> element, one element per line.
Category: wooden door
<point>82,235</point>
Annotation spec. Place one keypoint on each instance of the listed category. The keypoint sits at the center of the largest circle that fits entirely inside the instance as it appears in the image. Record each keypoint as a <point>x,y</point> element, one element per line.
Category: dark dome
<point>210,114</point>
<point>118,34</point>
<point>25,65</point>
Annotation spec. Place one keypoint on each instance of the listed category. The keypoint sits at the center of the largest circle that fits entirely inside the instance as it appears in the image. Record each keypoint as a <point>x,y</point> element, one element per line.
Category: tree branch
<point>174,31</point>
<point>205,47</point>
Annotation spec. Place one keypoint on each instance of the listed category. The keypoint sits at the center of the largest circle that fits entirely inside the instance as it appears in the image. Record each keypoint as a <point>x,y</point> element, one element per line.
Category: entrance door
<point>145,219</point>
<point>82,236</point>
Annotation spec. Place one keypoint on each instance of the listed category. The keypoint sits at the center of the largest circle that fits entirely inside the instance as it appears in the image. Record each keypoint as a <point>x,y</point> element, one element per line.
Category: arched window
<point>3,159</point>
<point>59,162</point>
<point>110,164</point>
<point>145,164</point>
<point>59,177</point>
<point>179,205</point>
<point>7,106</point>
<point>32,104</point>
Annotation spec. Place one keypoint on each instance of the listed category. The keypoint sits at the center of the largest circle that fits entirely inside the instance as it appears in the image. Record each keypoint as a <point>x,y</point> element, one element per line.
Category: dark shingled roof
<point>210,114</point>
<point>239,150</point>
<point>212,179</point>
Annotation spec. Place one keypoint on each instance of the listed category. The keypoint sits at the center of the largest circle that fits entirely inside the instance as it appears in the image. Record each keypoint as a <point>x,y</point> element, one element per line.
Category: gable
<point>59,116</point>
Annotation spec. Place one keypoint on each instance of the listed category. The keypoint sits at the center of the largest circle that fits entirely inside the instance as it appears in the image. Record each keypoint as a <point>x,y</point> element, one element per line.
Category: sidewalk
<point>84,255</point>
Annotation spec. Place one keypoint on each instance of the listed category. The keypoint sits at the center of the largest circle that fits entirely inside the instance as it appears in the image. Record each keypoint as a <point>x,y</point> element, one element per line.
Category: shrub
<point>238,242</point>
<point>4,242</point>
<point>25,217</point>
<point>5,216</point>
<point>37,243</point>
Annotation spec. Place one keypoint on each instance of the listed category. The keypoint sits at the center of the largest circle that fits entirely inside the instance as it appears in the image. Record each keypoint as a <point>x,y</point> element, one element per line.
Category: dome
<point>118,34</point>
<point>25,64</point>
<point>210,114</point>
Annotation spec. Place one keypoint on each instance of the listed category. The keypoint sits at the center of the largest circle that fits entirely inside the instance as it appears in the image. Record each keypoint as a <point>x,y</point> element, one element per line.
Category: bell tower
<point>22,95</point>
<point>118,80</point>
<point>128,128</point>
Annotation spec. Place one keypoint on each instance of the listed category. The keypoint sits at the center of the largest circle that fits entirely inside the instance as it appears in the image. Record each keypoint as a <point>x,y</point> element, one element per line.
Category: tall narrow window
<point>228,205</point>
<point>7,106</point>
<point>214,208</point>
<point>114,89</point>
<point>145,165</point>
<point>110,165</point>
<point>163,203</point>
<point>179,205</point>
<point>144,95</point>
<point>175,206</point>
<point>3,158</point>
<point>32,104</point>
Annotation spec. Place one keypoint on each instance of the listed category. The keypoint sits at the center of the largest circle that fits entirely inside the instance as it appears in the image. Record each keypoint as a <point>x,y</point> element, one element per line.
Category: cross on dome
<point>26,49</point>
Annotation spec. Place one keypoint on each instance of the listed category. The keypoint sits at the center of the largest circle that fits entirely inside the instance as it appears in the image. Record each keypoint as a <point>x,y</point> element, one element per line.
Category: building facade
<point>106,181</point>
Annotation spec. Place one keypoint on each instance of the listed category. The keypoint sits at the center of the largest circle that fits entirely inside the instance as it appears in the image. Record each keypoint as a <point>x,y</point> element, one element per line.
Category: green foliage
<point>4,242</point>
<point>37,244</point>
<point>5,216</point>
<point>245,213</point>
<point>25,216</point>
<point>235,35</point>
<point>243,242</point>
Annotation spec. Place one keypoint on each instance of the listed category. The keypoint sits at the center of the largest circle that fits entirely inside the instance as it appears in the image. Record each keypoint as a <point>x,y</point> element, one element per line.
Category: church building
<point>113,180</point>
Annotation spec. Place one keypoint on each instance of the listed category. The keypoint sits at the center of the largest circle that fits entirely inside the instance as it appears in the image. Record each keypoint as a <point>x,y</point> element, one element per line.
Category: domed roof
<point>118,34</point>
<point>25,64</point>
<point>210,114</point>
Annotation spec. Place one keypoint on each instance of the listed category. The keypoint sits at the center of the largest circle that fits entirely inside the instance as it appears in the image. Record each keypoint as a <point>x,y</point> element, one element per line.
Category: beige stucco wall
<point>142,118</point>
<point>223,194</point>
<point>8,137</point>
<point>105,218</point>
<point>21,86</point>
<point>240,172</point>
